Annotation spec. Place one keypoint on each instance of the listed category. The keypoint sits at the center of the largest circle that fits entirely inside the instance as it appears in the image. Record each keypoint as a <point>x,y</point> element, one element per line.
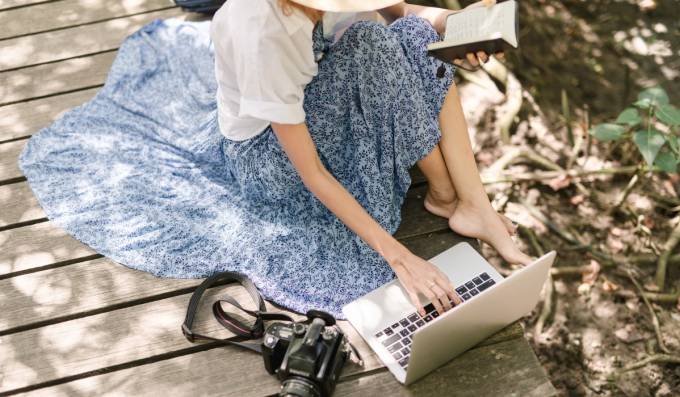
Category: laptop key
<point>470,285</point>
<point>435,314</point>
<point>466,297</point>
<point>397,355</point>
<point>405,351</point>
<point>379,334</point>
<point>486,285</point>
<point>412,328</point>
<point>388,331</point>
<point>403,362</point>
<point>477,280</point>
<point>395,347</point>
<point>413,317</point>
<point>406,341</point>
<point>404,322</point>
<point>404,332</point>
<point>420,323</point>
<point>395,325</point>
<point>474,292</point>
<point>428,318</point>
<point>391,339</point>
<point>429,308</point>
<point>484,276</point>
<point>461,289</point>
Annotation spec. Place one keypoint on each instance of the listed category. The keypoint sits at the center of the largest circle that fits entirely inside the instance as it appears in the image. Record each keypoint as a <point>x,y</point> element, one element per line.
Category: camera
<point>306,358</point>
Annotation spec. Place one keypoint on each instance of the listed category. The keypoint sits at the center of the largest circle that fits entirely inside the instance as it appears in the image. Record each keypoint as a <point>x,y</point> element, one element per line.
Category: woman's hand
<point>420,276</point>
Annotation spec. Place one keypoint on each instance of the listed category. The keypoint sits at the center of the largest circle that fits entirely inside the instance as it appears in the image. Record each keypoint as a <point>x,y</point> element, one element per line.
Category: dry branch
<point>662,264</point>
<point>655,319</point>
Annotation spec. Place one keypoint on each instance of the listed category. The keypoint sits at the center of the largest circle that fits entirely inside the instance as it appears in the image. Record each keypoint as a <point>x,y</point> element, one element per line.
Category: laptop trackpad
<point>380,307</point>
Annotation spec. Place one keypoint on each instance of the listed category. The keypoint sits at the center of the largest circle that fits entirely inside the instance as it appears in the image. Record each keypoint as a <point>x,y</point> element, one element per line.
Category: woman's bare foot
<point>444,205</point>
<point>485,224</point>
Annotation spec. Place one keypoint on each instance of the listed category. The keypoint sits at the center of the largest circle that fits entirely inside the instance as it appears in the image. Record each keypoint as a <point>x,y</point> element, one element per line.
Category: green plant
<point>653,124</point>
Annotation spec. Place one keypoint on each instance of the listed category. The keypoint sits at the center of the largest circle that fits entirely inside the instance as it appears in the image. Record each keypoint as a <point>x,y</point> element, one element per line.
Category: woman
<point>288,163</point>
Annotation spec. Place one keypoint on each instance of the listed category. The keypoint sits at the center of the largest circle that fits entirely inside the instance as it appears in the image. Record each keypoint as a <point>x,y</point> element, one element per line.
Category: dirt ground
<point>581,63</point>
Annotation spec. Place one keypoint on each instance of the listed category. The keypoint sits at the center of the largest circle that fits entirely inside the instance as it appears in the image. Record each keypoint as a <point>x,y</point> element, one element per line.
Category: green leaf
<point>655,96</point>
<point>666,161</point>
<point>607,132</point>
<point>630,117</point>
<point>673,143</point>
<point>649,143</point>
<point>668,114</point>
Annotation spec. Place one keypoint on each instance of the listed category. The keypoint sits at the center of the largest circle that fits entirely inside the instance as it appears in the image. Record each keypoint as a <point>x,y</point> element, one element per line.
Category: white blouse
<point>263,61</point>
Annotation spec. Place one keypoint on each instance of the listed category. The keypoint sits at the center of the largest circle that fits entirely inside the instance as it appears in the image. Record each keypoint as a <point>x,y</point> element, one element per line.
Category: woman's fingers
<point>481,55</point>
<point>432,297</point>
<point>458,61</point>
<point>500,55</point>
<point>472,59</point>
<point>416,302</point>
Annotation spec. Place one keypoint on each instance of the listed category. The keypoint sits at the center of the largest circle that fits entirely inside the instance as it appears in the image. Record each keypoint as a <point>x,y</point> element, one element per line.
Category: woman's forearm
<point>339,201</point>
<point>435,15</point>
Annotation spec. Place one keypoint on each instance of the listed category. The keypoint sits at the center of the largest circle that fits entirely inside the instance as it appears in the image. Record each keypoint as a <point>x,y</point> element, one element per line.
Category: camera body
<point>307,359</point>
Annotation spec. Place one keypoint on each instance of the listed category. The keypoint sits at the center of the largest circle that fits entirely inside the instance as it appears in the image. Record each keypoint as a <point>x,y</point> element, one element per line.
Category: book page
<point>483,23</point>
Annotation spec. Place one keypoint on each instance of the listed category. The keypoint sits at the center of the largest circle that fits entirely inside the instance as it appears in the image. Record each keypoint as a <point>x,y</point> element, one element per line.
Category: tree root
<point>544,175</point>
<point>652,296</point>
<point>662,264</point>
<point>655,319</point>
<point>653,359</point>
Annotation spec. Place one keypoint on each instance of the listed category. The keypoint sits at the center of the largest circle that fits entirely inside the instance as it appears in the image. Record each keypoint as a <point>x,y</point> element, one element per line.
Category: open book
<point>489,29</point>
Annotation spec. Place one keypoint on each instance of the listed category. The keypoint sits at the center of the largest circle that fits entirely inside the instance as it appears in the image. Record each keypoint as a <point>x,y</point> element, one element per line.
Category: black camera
<point>307,358</point>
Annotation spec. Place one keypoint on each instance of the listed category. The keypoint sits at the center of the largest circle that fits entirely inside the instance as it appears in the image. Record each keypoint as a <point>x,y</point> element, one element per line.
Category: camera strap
<point>243,331</point>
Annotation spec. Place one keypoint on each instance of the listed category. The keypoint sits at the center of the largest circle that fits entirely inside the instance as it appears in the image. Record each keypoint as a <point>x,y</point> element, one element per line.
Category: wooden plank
<point>188,374</point>
<point>54,78</point>
<point>415,218</point>
<point>67,43</point>
<point>57,294</point>
<point>117,337</point>
<point>505,369</point>
<point>6,4</point>
<point>9,154</point>
<point>77,346</point>
<point>31,247</point>
<point>49,16</point>
<point>18,204</point>
<point>23,119</point>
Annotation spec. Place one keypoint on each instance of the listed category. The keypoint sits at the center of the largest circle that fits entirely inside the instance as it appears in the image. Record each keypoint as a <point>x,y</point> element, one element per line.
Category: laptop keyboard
<point>397,337</point>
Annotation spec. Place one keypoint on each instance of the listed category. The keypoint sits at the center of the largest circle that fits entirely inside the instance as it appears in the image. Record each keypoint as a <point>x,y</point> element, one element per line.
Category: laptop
<point>411,345</point>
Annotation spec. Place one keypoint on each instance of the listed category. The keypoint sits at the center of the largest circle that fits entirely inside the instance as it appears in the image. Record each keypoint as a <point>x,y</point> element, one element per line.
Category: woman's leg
<point>473,216</point>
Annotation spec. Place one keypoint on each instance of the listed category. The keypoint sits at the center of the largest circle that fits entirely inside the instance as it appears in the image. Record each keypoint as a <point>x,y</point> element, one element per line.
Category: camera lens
<point>299,387</point>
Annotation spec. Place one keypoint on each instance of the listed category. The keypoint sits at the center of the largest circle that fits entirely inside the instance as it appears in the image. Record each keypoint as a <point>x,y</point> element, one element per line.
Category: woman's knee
<point>365,36</point>
<point>414,31</point>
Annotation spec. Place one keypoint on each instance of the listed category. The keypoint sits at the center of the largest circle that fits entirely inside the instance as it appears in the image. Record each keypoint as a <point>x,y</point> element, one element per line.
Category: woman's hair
<point>313,14</point>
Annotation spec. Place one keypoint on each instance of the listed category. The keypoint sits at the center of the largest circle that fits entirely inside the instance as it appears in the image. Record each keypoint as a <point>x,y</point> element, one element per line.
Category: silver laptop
<point>411,346</point>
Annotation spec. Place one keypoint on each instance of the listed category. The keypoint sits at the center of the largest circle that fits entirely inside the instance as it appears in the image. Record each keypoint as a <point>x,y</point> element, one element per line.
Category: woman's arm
<point>414,272</point>
<point>435,15</point>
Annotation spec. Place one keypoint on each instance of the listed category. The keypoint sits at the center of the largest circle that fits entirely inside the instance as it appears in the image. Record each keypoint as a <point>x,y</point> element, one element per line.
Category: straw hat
<point>347,5</point>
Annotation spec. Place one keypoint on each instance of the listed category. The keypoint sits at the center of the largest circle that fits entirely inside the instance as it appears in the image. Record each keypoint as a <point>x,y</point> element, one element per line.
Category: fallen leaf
<point>609,286</point>
<point>578,199</point>
<point>590,276</point>
<point>560,182</point>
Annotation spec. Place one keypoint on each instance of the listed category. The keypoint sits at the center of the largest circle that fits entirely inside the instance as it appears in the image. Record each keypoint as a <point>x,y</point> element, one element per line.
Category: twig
<point>546,307</point>
<point>624,195</point>
<point>655,358</point>
<point>543,175</point>
<point>550,165</point>
<point>513,92</point>
<point>655,319</point>
<point>652,296</point>
<point>662,264</point>
<point>569,270</point>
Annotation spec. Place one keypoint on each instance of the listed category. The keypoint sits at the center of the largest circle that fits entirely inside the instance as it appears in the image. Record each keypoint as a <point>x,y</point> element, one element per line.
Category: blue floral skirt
<point>142,174</point>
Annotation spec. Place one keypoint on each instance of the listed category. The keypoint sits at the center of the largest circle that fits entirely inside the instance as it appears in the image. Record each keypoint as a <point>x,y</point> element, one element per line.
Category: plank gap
<point>33,3</point>
<point>121,305</point>
<point>23,223</point>
<point>51,266</point>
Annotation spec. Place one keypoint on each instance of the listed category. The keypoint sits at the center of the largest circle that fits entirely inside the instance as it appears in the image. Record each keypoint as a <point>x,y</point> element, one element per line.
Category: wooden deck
<point>74,323</point>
